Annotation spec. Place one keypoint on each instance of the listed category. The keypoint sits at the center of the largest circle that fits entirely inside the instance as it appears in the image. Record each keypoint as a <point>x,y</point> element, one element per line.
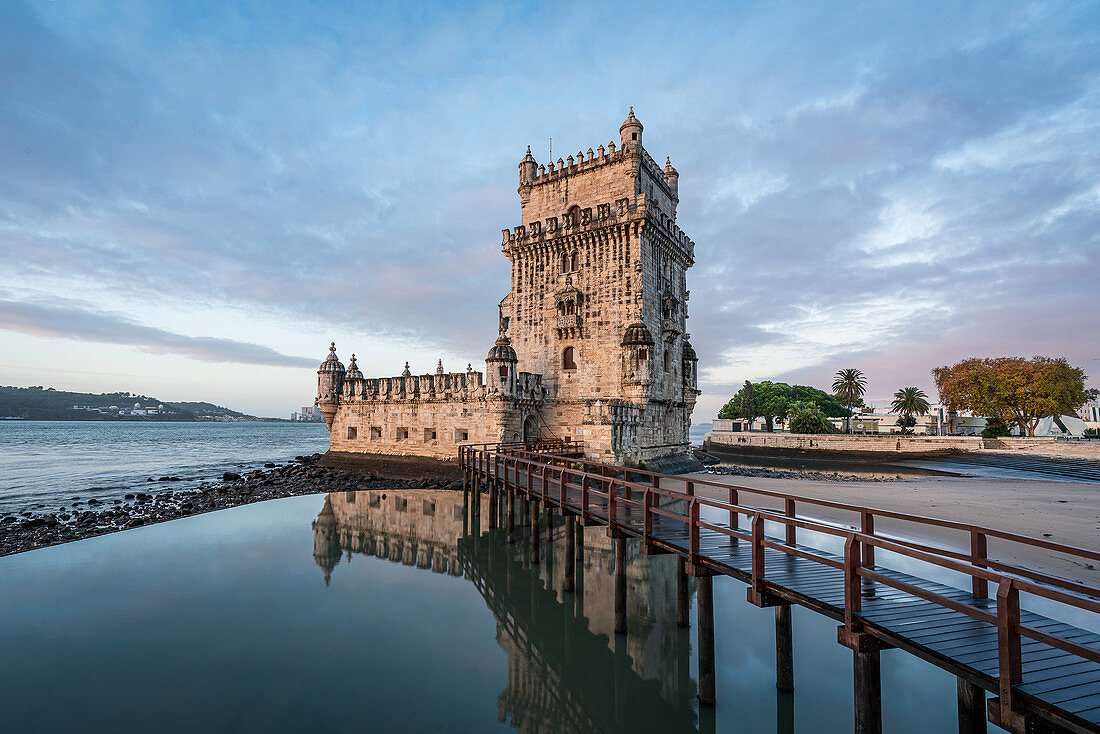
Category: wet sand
<point>1058,511</point>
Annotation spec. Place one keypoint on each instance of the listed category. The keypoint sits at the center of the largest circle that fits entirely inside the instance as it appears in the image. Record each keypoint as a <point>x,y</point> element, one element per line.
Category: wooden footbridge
<point>1044,673</point>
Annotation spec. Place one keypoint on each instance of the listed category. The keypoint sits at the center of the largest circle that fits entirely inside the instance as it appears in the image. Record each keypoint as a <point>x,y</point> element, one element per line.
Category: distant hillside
<point>39,403</point>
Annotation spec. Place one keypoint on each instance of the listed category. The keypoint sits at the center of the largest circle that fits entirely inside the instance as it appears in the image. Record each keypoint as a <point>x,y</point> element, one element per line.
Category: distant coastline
<point>49,404</point>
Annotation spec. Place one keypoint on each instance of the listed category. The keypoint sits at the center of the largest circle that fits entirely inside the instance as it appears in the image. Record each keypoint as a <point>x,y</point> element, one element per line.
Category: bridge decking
<point>1055,678</point>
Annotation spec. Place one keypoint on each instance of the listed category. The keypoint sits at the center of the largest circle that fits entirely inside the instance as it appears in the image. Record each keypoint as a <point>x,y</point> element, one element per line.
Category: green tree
<point>1014,389</point>
<point>909,401</point>
<point>823,400</point>
<point>770,400</point>
<point>806,417</point>
<point>848,387</point>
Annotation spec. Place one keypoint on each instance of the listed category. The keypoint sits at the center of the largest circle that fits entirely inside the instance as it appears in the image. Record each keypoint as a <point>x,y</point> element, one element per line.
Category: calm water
<point>49,462</point>
<point>374,612</point>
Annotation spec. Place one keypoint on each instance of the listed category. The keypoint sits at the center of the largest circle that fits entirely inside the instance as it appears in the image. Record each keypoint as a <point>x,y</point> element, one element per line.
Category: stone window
<point>643,354</point>
<point>504,371</point>
<point>633,136</point>
<point>461,434</point>
<point>375,433</point>
<point>568,359</point>
<point>402,433</point>
<point>352,432</point>
<point>564,263</point>
<point>668,359</point>
<point>574,261</point>
<point>429,434</point>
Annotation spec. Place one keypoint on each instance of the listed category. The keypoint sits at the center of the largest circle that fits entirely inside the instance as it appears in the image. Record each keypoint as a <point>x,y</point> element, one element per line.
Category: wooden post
<point>492,504</point>
<point>704,595</point>
<point>971,707</point>
<point>735,518</point>
<point>477,496</point>
<point>534,530</point>
<point>620,585</point>
<point>868,690</point>
<point>978,555</point>
<point>510,498</point>
<point>683,614</point>
<point>1010,667</point>
<point>549,521</point>
<point>784,648</point>
<point>789,511</point>
<point>580,543</point>
<point>570,552</point>
<point>867,527</point>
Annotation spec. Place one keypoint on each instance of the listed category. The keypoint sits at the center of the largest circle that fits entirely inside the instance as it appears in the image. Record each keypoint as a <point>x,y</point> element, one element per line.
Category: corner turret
<point>631,132</point>
<point>672,176</point>
<point>500,366</point>
<point>330,380</point>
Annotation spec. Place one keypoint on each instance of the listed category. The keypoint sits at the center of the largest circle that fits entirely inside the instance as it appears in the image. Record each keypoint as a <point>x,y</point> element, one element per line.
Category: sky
<point>196,198</point>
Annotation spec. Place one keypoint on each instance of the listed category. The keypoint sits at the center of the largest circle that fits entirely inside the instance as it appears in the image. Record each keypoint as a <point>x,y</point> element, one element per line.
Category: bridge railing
<point>633,501</point>
<point>975,537</point>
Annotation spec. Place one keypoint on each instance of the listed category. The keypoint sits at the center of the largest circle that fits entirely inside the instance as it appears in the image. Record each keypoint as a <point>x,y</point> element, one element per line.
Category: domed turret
<point>637,335</point>
<point>330,380</point>
<point>631,131</point>
<point>689,353</point>
<point>353,372</point>
<point>691,365</point>
<point>500,366</point>
<point>502,351</point>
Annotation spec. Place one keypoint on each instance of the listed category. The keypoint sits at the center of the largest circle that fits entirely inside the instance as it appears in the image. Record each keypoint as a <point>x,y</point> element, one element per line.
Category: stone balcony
<point>569,322</point>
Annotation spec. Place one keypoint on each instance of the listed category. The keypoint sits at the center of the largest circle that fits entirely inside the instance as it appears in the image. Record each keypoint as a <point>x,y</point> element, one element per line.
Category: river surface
<point>372,611</point>
<point>50,462</point>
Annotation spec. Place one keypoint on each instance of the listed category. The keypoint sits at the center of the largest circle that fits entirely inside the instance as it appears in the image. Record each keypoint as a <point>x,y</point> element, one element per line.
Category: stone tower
<point>598,303</point>
<point>592,342</point>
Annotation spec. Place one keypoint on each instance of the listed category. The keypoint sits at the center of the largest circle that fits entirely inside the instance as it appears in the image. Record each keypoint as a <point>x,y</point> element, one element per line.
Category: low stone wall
<point>863,447</point>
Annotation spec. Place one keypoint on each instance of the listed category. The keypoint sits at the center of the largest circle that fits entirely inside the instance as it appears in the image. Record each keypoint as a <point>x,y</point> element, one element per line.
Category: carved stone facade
<point>596,317</point>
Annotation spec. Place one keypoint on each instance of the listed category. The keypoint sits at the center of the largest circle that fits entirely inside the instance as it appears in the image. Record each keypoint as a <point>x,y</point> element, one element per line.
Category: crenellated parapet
<point>463,386</point>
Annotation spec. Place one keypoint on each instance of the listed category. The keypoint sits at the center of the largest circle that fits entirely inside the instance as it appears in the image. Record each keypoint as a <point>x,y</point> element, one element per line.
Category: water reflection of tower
<point>326,546</point>
<point>567,670</point>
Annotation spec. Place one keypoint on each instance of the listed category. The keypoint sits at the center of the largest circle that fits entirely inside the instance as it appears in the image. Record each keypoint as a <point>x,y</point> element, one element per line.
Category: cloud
<point>73,321</point>
<point>868,184</point>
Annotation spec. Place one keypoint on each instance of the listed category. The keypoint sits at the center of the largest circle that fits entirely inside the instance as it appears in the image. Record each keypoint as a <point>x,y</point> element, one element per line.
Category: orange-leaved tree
<point>1014,389</point>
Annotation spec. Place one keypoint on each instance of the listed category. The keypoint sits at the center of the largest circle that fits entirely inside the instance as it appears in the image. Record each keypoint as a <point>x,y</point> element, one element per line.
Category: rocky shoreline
<point>305,475</point>
<point>745,471</point>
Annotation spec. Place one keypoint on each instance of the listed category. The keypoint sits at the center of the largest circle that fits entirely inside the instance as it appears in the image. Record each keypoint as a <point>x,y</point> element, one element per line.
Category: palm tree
<point>909,401</point>
<point>848,387</point>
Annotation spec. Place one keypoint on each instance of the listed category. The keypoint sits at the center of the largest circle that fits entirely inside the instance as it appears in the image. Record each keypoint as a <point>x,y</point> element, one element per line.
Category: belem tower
<point>592,342</point>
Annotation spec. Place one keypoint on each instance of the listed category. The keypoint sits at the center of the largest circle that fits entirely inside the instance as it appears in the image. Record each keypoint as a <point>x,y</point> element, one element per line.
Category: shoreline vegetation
<point>314,474</point>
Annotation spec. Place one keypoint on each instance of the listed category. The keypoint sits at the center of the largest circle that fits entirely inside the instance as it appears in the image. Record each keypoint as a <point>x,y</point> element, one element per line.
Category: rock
<point>93,501</point>
<point>230,476</point>
<point>129,497</point>
<point>270,465</point>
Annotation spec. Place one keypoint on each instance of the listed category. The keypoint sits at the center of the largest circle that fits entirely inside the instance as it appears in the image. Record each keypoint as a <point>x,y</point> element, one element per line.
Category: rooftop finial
<point>332,347</point>
<point>406,373</point>
<point>439,367</point>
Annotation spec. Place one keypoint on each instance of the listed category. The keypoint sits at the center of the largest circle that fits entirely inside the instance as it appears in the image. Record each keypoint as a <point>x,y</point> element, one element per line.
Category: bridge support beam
<point>580,543</point>
<point>534,531</point>
<point>620,585</point>
<point>570,561</point>
<point>683,596</point>
<point>704,597</point>
<point>549,522</point>
<point>784,648</point>
<point>477,496</point>
<point>971,707</point>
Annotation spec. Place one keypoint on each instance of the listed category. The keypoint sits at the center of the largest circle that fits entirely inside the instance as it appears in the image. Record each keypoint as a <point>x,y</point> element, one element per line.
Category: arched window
<point>568,361</point>
<point>574,261</point>
<point>668,359</point>
<point>564,263</point>
<point>643,354</point>
<point>575,215</point>
<point>570,308</point>
<point>561,309</point>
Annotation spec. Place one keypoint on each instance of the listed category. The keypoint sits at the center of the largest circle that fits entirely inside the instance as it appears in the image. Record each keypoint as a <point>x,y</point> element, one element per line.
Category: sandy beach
<point>1059,511</point>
